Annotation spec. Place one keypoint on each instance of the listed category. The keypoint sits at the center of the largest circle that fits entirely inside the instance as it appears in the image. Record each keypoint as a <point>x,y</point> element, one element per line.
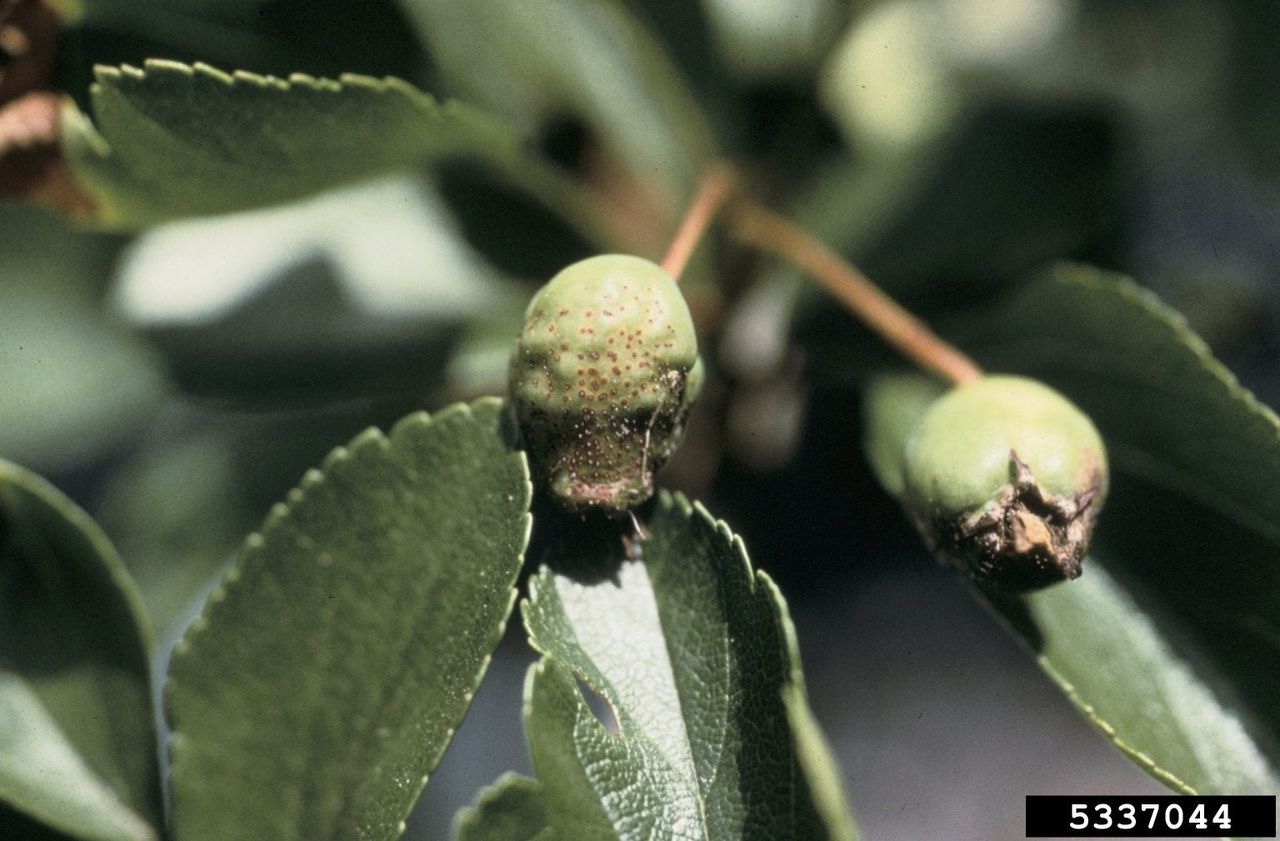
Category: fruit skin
<point>603,377</point>
<point>1004,478</point>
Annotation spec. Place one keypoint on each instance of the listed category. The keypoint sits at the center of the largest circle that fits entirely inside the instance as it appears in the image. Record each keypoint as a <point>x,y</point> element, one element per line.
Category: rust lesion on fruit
<point>598,417</point>
<point>604,457</point>
<point>1027,538</point>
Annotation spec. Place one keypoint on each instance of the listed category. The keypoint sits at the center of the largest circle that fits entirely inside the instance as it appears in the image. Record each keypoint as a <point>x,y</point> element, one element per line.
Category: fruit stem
<point>714,189</point>
<point>758,226</point>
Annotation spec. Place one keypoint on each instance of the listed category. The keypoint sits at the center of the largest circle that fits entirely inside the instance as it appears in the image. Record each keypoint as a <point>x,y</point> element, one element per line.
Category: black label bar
<point>1166,816</point>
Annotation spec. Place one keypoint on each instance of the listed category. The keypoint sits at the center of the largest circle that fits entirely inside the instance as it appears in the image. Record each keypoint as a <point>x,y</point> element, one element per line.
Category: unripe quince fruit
<point>1005,478</point>
<point>603,377</point>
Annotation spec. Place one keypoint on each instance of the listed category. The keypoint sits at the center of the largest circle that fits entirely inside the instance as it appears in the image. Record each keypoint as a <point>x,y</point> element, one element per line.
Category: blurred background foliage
<point>177,381</point>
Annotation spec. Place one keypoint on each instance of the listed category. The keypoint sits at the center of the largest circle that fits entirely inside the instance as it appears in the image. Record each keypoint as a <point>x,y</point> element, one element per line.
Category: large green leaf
<point>328,673</point>
<point>174,140</point>
<point>585,59</point>
<point>73,654</point>
<point>694,654</point>
<point>41,774</point>
<point>1168,643</point>
<point>1112,660</point>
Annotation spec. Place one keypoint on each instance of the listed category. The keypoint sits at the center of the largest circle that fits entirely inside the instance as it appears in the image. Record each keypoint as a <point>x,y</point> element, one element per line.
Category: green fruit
<point>602,380</point>
<point>1004,477</point>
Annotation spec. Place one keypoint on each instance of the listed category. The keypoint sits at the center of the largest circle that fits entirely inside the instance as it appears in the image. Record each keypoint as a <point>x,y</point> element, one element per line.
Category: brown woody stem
<point>764,229</point>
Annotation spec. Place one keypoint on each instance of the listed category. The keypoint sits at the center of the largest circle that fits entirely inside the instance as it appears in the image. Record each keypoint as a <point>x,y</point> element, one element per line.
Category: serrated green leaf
<point>42,775</point>
<point>1112,661</point>
<point>272,36</point>
<point>174,140</point>
<point>73,630</point>
<point>326,676</point>
<point>818,764</point>
<point>509,810</point>
<point>694,653</point>
<point>1167,643</point>
<point>590,60</point>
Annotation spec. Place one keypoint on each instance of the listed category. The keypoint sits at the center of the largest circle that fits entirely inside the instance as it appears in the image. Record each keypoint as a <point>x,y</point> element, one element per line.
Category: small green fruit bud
<point>1005,478</point>
<point>602,380</point>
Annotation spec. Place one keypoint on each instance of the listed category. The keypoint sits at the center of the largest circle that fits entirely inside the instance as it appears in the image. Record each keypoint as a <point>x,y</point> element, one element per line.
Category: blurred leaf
<point>683,31</point>
<point>953,223</point>
<point>73,630</point>
<point>77,383</point>
<point>1252,90</point>
<point>516,232</point>
<point>15,824</point>
<point>175,533</point>
<point>1169,643</point>
<point>41,774</point>
<point>694,654</point>
<point>509,810</point>
<point>587,59</point>
<point>43,249</point>
<point>357,291</point>
<point>175,140</point>
<point>763,40</point>
<point>1012,186</point>
<point>327,675</point>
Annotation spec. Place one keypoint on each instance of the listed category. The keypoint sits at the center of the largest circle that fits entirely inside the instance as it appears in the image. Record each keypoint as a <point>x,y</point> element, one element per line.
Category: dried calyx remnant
<point>603,377</point>
<point>1005,479</point>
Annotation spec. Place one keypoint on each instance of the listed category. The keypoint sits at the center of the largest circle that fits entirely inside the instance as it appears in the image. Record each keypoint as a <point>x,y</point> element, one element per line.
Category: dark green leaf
<point>586,60</point>
<point>74,643</point>
<point>328,673</point>
<point>510,810</point>
<point>1168,643</point>
<point>42,775</point>
<point>175,140</point>
<point>695,656</point>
